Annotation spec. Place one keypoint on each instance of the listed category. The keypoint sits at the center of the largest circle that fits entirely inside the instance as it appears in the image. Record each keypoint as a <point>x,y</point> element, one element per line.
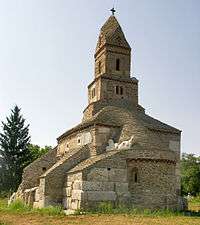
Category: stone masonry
<point>118,153</point>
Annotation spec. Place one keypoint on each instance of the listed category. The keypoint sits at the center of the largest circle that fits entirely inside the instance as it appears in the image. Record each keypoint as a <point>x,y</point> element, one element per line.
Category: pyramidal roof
<point>111,32</point>
<point>110,26</point>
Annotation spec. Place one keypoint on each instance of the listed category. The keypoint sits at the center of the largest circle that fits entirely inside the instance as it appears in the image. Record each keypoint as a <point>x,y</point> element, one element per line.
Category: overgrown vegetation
<point>190,174</point>
<point>19,207</point>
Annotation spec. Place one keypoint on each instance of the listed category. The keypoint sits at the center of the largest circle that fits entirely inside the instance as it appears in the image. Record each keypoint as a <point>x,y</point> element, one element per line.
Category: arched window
<point>118,64</point>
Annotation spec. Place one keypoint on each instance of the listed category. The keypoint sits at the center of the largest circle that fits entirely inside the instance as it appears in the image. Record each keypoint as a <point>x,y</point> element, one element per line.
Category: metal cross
<point>113,11</point>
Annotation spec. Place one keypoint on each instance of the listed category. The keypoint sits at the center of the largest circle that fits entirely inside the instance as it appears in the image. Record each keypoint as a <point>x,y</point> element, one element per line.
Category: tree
<point>190,174</point>
<point>37,151</point>
<point>14,151</point>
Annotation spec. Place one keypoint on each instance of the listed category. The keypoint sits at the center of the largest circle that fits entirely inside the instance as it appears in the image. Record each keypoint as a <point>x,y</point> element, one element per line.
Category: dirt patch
<point>34,219</point>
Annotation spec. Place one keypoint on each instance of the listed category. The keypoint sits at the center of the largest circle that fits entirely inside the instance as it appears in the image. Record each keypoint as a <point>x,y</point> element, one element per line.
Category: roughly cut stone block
<point>79,195</point>
<point>77,185</point>
<point>98,186</point>
<point>98,174</point>
<point>121,188</point>
<point>67,191</point>
<point>101,196</point>
<point>37,195</point>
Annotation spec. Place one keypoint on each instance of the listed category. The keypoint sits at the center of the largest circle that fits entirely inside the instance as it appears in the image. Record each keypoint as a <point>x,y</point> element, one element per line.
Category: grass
<point>19,207</point>
<point>19,214</point>
<point>107,208</point>
<point>194,203</point>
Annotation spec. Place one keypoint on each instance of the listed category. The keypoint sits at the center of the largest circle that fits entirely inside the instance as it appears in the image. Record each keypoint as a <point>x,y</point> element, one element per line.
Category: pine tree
<point>14,151</point>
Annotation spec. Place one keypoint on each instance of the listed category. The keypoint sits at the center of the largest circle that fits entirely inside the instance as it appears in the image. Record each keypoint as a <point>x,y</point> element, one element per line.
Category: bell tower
<point>113,53</point>
<point>112,84</point>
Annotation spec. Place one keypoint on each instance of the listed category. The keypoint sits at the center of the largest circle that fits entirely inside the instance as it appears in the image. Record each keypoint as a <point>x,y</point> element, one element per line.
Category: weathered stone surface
<point>121,188</point>
<point>67,191</point>
<point>93,186</point>
<point>79,195</point>
<point>37,195</point>
<point>104,174</point>
<point>101,196</point>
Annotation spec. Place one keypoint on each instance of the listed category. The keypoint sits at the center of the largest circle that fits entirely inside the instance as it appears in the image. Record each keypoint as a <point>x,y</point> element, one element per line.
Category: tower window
<point>118,64</point>
<point>136,177</point>
<point>117,90</point>
<point>93,93</point>
<point>121,91</point>
<point>99,67</point>
<point>100,40</point>
<point>79,140</point>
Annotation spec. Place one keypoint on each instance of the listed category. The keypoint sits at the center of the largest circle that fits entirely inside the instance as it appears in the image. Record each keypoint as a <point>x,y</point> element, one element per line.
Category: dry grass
<point>34,218</point>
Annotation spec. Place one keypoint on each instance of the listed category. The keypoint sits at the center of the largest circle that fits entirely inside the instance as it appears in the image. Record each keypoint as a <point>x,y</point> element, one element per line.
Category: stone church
<point>118,153</point>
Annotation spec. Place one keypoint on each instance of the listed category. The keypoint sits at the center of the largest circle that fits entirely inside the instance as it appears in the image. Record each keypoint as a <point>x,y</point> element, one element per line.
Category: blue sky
<point>46,61</point>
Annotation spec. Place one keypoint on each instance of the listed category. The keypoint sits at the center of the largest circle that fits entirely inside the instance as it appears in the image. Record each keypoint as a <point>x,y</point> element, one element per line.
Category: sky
<point>47,61</point>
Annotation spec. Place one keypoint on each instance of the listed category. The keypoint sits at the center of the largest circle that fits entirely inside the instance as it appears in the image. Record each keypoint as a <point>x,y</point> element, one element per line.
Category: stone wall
<point>32,173</point>
<point>155,187</point>
<point>96,136</point>
<point>52,182</point>
<point>107,56</point>
<point>101,135</point>
<point>130,90</point>
<point>79,193</point>
<point>75,140</point>
<point>111,180</point>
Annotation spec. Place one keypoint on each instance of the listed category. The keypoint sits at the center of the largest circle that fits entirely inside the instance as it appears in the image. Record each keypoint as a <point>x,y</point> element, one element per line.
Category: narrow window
<point>93,93</point>
<point>117,90</point>
<point>121,91</point>
<point>99,67</point>
<point>118,64</point>
<point>136,177</point>
<point>44,169</point>
<point>100,40</point>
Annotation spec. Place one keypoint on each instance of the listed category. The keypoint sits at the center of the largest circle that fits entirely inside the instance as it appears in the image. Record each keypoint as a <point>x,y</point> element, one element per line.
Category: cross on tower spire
<point>113,11</point>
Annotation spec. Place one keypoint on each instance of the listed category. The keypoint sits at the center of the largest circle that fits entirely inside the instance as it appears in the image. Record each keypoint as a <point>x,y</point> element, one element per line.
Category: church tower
<point>112,84</point>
